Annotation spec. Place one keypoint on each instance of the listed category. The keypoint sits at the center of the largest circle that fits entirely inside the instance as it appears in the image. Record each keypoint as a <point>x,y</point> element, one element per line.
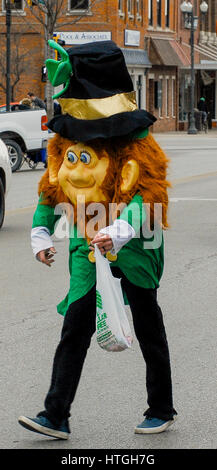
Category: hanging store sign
<point>83,37</point>
<point>207,79</point>
<point>131,38</point>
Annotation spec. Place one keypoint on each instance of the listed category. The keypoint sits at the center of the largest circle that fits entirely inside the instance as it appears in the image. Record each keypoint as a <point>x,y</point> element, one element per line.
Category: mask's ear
<point>53,173</point>
<point>130,174</point>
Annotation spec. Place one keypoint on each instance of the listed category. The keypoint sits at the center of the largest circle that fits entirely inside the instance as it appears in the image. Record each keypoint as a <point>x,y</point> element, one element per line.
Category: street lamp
<point>204,7</point>
<point>191,23</point>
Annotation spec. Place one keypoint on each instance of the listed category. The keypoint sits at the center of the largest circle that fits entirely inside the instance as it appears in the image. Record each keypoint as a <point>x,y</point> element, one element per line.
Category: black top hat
<point>98,98</point>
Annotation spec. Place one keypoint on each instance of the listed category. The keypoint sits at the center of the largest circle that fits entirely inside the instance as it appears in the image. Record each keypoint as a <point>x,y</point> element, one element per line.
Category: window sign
<point>131,38</point>
<point>83,37</point>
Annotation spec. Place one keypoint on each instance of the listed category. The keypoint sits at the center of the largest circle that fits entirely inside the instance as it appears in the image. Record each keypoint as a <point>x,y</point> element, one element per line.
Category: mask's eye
<point>72,157</point>
<point>85,157</point>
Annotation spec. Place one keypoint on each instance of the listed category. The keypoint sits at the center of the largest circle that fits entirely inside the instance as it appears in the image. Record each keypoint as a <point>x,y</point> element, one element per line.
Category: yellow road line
<point>21,209</point>
<point>193,178</point>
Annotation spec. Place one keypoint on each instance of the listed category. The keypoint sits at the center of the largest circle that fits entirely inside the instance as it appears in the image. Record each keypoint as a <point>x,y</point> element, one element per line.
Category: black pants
<point>79,326</point>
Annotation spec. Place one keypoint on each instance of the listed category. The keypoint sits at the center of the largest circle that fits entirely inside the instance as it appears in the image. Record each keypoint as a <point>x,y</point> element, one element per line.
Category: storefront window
<point>173,97</point>
<point>167,100</point>
<point>185,96</point>
<point>160,97</point>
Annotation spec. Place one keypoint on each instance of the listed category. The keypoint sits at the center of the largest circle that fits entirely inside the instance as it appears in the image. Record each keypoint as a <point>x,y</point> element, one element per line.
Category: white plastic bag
<point>112,326</point>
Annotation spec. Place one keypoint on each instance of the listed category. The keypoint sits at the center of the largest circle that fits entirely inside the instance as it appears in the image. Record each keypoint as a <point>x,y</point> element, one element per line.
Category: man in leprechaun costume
<point>103,154</point>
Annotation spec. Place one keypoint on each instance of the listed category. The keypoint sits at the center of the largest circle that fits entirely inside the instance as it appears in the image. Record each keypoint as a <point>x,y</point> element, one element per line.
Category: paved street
<point>111,397</point>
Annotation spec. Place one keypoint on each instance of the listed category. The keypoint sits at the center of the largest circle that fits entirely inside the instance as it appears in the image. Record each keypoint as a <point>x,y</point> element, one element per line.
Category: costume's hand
<point>46,256</point>
<point>104,242</point>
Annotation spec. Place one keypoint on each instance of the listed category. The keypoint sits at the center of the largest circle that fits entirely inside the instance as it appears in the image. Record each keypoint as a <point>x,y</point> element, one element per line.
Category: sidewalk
<point>182,140</point>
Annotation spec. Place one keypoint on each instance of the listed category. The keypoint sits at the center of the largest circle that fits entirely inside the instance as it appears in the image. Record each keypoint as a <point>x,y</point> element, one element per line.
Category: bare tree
<point>21,58</point>
<point>49,15</point>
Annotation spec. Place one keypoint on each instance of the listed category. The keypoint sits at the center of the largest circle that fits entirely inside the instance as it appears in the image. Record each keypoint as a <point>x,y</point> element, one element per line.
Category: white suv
<point>5,178</point>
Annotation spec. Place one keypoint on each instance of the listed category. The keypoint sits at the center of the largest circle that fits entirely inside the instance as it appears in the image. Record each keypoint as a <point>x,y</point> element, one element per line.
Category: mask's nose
<point>81,178</point>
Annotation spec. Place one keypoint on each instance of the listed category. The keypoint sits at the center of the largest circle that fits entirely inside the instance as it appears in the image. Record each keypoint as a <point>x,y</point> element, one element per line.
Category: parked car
<point>24,133</point>
<point>3,106</point>
<point>5,178</point>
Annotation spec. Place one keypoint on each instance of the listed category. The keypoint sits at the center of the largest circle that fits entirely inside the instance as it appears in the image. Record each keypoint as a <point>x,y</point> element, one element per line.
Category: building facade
<point>151,35</point>
<point>205,62</point>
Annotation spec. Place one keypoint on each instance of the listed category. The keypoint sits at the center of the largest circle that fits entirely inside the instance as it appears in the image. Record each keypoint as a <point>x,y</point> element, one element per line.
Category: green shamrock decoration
<point>59,71</point>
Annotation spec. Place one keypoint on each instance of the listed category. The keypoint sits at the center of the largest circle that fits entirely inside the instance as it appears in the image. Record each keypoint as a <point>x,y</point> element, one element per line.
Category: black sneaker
<point>43,425</point>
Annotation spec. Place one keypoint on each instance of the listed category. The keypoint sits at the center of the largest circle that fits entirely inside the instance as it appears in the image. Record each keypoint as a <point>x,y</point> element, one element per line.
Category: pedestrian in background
<point>26,103</point>
<point>37,102</point>
<point>202,106</point>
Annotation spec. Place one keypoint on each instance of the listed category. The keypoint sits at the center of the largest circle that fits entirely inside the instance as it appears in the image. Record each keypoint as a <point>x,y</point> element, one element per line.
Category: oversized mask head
<point>88,170</point>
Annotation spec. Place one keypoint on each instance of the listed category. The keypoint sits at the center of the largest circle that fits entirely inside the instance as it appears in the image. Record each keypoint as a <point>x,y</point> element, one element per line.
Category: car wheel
<point>2,203</point>
<point>15,154</point>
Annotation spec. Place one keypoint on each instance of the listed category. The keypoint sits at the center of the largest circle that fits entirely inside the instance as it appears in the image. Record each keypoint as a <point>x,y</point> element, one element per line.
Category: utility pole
<point>190,20</point>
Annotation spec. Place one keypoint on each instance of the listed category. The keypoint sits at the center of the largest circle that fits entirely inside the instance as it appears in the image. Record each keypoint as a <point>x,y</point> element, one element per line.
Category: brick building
<point>136,26</point>
<point>153,39</point>
<point>205,61</point>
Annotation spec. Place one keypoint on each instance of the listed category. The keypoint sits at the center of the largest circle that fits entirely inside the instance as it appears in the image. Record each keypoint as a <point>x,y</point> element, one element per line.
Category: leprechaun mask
<point>82,173</point>
<point>91,170</point>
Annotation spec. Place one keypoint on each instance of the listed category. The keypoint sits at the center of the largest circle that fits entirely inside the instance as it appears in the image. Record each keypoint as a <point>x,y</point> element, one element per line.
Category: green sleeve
<point>134,214</point>
<point>44,216</point>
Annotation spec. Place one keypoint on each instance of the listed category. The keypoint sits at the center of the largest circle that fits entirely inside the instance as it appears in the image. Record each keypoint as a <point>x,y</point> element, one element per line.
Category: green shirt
<point>142,266</point>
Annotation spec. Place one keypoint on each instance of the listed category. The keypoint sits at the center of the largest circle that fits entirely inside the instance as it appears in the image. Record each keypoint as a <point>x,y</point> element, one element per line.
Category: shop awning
<point>136,57</point>
<point>207,52</point>
<point>168,52</point>
<point>173,53</point>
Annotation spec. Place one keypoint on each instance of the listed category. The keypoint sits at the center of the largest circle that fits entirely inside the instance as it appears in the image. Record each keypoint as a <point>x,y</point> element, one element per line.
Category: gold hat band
<point>98,108</point>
